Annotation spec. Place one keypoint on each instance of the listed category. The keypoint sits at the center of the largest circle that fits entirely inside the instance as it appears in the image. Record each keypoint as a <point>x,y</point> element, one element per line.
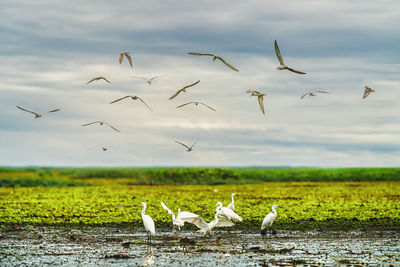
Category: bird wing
<point>28,111</point>
<point>119,99</point>
<point>261,102</point>
<point>167,209</point>
<point>323,92</point>
<point>230,214</point>
<point>184,104</point>
<point>198,221</point>
<point>104,78</point>
<point>129,59</point>
<point>190,85</point>
<point>111,126</point>
<point>182,144</point>
<point>224,223</point>
<point>193,145</point>
<point>90,123</point>
<point>94,79</point>
<point>304,94</point>
<point>121,56</point>
<point>227,64</point>
<point>200,54</point>
<point>54,110</point>
<point>174,95</point>
<point>185,214</point>
<point>137,77</point>
<point>366,93</point>
<point>149,224</point>
<point>268,220</point>
<point>207,106</point>
<point>278,53</point>
<point>296,71</point>
<point>157,77</point>
<point>144,103</point>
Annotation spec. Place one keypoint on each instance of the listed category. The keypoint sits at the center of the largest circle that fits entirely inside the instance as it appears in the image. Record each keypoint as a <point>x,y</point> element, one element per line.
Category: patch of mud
<point>108,246</point>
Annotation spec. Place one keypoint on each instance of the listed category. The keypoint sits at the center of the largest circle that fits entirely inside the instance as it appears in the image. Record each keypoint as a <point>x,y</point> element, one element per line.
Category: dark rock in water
<point>263,232</point>
<point>126,244</point>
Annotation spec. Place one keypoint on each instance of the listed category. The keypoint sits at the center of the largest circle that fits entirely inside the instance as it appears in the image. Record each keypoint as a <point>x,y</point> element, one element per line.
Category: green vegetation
<point>368,199</point>
<point>212,176</point>
<point>32,182</point>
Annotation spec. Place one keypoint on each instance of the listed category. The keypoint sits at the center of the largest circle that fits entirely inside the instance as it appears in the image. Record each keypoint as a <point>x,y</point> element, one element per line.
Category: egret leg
<point>273,231</point>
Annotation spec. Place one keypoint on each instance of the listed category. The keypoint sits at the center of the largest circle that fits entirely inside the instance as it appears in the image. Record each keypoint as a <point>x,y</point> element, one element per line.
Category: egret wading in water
<point>148,223</point>
<point>269,220</point>
<point>207,227</point>
<point>181,217</point>
<point>232,204</point>
<point>228,213</point>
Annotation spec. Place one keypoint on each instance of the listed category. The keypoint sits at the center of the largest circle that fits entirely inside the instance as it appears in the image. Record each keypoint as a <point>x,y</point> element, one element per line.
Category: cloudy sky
<point>50,49</point>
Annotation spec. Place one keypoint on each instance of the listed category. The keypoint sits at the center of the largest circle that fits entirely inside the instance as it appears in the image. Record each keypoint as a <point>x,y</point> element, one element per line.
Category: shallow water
<point>127,247</point>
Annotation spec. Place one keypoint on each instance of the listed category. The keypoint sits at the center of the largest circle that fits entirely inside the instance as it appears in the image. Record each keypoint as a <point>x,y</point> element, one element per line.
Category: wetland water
<point>112,246</point>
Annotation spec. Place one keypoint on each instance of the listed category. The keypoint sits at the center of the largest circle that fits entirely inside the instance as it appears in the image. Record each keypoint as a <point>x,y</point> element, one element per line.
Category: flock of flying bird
<point>224,217</point>
<point>258,94</point>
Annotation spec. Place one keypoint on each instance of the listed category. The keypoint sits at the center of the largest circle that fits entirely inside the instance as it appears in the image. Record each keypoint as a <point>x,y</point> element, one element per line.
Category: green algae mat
<point>307,205</point>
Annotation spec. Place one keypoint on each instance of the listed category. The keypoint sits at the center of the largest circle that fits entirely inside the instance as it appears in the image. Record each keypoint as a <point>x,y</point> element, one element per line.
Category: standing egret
<point>207,227</point>
<point>228,213</point>
<point>232,205</point>
<point>179,220</point>
<point>269,219</point>
<point>148,223</point>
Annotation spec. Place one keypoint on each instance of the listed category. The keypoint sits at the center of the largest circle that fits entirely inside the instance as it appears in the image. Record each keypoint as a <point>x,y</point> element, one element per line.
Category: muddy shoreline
<point>57,245</point>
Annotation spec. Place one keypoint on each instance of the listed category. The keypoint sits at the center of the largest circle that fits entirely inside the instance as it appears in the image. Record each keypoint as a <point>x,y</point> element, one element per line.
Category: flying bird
<point>133,98</point>
<point>260,98</point>
<point>312,93</point>
<point>37,115</point>
<point>367,91</point>
<point>232,204</point>
<point>207,227</point>
<point>188,148</point>
<point>104,148</point>
<point>228,213</point>
<point>283,66</point>
<point>183,89</point>
<point>98,78</point>
<point>149,81</point>
<point>214,57</point>
<point>196,103</point>
<point>126,54</point>
<point>270,218</point>
<point>101,123</point>
<point>179,220</point>
<point>148,223</point>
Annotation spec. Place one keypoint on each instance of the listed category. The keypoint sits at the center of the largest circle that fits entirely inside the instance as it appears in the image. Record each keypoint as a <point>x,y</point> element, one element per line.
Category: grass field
<point>307,205</point>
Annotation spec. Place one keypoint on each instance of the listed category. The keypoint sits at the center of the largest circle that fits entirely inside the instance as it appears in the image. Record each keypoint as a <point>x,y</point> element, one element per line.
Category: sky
<point>50,49</point>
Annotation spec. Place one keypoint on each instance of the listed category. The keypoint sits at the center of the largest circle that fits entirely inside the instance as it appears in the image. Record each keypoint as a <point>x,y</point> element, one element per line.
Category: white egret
<point>207,227</point>
<point>148,223</point>
<point>179,220</point>
<point>232,205</point>
<point>228,213</point>
<point>270,218</point>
